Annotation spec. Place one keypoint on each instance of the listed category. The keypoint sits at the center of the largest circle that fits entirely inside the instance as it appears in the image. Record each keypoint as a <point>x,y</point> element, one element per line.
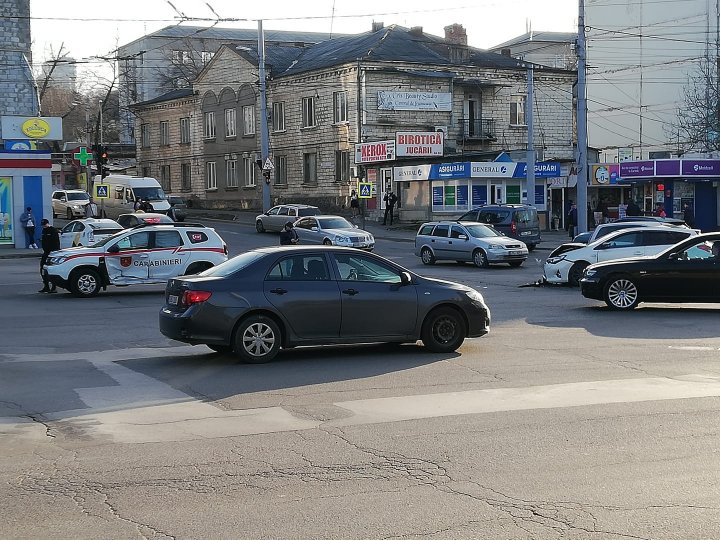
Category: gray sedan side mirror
<point>462,237</point>
<point>314,229</point>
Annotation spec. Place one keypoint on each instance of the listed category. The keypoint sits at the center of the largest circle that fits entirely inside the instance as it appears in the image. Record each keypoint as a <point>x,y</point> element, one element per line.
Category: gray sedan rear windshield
<point>234,265</point>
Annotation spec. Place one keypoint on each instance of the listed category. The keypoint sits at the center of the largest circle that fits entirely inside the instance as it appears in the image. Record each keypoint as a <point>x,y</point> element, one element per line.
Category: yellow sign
<point>36,128</point>
<point>102,191</point>
<point>82,181</point>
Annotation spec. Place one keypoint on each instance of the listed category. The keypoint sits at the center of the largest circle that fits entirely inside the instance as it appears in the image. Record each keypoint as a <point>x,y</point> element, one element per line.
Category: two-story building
<point>368,107</point>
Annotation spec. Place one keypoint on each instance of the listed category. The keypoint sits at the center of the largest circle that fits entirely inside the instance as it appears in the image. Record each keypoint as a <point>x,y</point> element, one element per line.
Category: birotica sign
<point>35,128</point>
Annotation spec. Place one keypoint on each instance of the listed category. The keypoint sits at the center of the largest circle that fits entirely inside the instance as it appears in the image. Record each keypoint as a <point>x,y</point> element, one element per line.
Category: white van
<point>124,190</point>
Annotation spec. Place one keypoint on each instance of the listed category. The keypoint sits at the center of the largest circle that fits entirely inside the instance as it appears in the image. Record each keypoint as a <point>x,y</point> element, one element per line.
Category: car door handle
<point>350,292</point>
<point>450,242</point>
<point>278,291</point>
<point>638,253</point>
<point>144,256</point>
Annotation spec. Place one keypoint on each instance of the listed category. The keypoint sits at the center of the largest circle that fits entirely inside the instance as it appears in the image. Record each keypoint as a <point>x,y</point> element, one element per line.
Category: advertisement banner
<point>479,195</point>
<point>705,167</point>
<point>637,168</point>
<point>375,151</point>
<point>444,171</point>
<point>414,101</point>
<point>438,195</point>
<point>542,170</point>
<point>6,211</point>
<point>462,195</point>
<point>414,143</point>
<point>407,174</point>
<point>31,127</point>
<point>492,169</point>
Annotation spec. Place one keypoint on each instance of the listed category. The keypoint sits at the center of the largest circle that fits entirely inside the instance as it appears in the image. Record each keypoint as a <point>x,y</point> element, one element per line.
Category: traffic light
<point>101,159</point>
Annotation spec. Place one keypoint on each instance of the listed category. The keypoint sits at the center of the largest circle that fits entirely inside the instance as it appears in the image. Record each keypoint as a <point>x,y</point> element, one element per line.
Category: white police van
<point>146,254</point>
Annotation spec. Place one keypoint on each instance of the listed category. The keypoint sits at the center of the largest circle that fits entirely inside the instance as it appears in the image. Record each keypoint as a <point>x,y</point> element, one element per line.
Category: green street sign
<point>82,156</point>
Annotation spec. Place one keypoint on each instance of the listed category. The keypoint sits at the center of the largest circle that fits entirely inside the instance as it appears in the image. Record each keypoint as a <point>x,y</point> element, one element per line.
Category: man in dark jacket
<point>632,209</point>
<point>50,241</point>
<point>288,236</point>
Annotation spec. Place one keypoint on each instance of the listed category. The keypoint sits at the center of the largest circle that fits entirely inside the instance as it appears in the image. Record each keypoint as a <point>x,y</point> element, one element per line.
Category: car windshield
<point>525,216</point>
<point>312,211</point>
<point>108,239</point>
<point>335,223</point>
<point>482,231</point>
<point>233,265</point>
<point>78,197</point>
<point>105,227</point>
<point>149,193</point>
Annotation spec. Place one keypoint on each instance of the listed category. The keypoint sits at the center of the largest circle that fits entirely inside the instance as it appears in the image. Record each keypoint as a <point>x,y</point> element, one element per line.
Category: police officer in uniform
<point>50,241</point>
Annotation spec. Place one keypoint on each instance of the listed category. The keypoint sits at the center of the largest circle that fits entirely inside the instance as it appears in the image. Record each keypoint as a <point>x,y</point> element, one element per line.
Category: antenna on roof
<point>332,18</point>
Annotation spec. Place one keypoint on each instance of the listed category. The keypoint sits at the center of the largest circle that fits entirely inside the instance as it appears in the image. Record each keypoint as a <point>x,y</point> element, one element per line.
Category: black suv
<point>519,221</point>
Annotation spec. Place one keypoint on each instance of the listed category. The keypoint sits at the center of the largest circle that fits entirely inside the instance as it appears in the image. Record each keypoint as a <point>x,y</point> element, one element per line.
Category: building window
<point>249,171</point>
<point>209,125</point>
<point>281,170</point>
<point>184,131</point>
<point>211,175</point>
<point>231,179</point>
<point>308,112</point>
<point>229,122</point>
<point>147,172</point>
<point>517,110</point>
<point>145,135</point>
<point>164,133</point>
<point>181,57</point>
<point>342,166</point>
<point>249,120</point>
<point>165,177</point>
<point>340,111</point>
<point>185,177</point>
<point>206,56</point>
<point>310,168</point>
<point>278,116</point>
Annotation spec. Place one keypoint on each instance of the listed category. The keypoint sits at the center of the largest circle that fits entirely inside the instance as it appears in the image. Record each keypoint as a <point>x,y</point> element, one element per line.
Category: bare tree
<point>698,121</point>
<point>183,63</point>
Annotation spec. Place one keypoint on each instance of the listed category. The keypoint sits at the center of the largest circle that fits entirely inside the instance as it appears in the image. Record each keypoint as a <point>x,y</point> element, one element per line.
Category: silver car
<point>333,230</point>
<point>467,241</point>
<point>276,218</point>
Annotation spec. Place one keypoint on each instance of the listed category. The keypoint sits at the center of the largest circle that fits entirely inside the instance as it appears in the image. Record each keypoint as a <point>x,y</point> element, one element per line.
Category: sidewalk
<point>15,253</point>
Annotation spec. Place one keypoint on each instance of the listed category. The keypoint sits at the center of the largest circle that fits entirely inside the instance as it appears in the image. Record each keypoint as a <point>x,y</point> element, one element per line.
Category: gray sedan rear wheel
<point>257,339</point>
<point>621,293</point>
<point>259,227</point>
<point>426,255</point>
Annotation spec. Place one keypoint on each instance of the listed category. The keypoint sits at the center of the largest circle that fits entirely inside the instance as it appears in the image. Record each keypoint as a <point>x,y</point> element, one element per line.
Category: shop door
<point>706,207</point>
<point>385,186</point>
<point>496,194</point>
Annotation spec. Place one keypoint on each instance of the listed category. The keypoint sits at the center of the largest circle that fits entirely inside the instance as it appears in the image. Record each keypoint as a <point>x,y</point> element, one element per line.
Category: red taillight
<point>151,220</point>
<point>195,297</point>
<point>513,227</point>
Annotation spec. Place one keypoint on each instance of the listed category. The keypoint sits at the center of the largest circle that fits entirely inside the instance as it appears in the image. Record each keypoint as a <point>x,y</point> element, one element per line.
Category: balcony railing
<point>479,130</point>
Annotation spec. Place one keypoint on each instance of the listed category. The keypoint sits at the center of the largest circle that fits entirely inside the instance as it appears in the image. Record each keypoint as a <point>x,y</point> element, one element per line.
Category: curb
<point>20,255</point>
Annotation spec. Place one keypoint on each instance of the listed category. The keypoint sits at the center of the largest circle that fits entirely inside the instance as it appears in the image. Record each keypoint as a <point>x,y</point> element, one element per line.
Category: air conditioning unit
<point>354,172</point>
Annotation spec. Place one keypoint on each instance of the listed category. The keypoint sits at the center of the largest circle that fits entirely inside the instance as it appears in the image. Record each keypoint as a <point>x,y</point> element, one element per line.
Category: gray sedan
<point>333,230</point>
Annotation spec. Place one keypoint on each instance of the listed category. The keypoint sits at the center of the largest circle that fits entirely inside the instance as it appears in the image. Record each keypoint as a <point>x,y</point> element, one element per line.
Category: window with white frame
<point>164,133</point>
<point>340,110</point>
<point>210,175</point>
<point>249,171</point>
<point>308,111</point>
<point>249,120</point>
<point>184,131</point>
<point>165,177</point>
<point>517,110</point>
<point>209,125</point>
<point>278,116</point>
<point>181,57</point>
<point>185,177</point>
<point>231,178</point>
<point>310,168</point>
<point>342,166</point>
<point>230,122</point>
<point>281,170</point>
<point>206,56</point>
<point>145,135</point>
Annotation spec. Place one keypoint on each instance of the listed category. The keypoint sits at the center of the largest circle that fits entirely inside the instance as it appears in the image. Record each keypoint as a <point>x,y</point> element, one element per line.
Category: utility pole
<point>530,135</point>
<point>582,143</point>
<point>264,143</point>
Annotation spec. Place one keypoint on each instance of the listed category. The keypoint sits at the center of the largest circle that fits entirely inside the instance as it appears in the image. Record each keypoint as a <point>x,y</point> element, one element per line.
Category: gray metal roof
<point>544,37</point>
<point>240,34</point>
<point>391,44</point>
<point>168,96</point>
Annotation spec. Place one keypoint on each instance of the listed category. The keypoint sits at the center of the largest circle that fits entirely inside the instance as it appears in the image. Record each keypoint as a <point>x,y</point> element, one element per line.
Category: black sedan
<point>687,272</point>
<point>269,298</point>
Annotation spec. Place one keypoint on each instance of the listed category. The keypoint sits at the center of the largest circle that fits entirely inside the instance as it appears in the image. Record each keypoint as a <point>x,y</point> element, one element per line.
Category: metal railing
<point>482,129</point>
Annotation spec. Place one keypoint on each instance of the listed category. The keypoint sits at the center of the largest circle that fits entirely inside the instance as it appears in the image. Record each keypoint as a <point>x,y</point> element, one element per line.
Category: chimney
<point>377,26</point>
<point>416,31</point>
<point>456,34</point>
<point>506,52</point>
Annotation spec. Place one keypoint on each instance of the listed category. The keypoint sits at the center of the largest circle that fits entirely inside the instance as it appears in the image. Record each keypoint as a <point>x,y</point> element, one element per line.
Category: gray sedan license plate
<point>516,253</point>
<point>173,300</point>
<point>526,233</point>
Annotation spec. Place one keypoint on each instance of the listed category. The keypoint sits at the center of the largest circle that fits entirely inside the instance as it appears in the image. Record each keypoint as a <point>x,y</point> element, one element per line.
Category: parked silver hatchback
<point>467,241</point>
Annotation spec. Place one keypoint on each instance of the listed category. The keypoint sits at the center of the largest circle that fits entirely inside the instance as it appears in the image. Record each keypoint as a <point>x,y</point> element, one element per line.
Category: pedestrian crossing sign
<point>101,191</point>
<point>365,190</point>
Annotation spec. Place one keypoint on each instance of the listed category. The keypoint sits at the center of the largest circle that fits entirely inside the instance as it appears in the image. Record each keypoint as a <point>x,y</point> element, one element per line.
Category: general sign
<point>102,191</point>
<point>414,143</point>
<point>375,151</point>
<point>31,127</point>
<point>365,190</point>
<point>414,101</point>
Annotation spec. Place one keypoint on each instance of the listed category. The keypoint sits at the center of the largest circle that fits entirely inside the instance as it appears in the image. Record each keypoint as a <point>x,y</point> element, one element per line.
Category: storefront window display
<point>683,194</point>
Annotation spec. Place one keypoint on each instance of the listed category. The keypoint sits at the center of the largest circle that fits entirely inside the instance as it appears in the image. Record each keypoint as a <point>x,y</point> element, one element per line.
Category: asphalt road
<point>567,421</point>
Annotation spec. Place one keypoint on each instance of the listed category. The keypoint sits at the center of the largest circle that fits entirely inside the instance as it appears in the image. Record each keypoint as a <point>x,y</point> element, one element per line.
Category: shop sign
<point>375,151</point>
<point>667,167</point>
<point>557,182</point>
<point>443,171</point>
<point>637,168</point>
<point>407,174</point>
<point>548,169</point>
<point>31,127</point>
<point>493,169</point>
<point>419,144</point>
<point>706,167</point>
<point>414,101</point>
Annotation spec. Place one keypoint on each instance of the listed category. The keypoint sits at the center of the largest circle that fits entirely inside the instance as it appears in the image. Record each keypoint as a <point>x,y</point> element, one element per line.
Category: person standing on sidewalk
<point>354,203</point>
<point>50,241</point>
<point>28,222</point>
<point>390,200</point>
<point>572,220</point>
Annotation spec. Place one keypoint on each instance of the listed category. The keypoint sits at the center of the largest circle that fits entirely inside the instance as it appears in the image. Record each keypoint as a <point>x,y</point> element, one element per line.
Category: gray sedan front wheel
<point>480,259</point>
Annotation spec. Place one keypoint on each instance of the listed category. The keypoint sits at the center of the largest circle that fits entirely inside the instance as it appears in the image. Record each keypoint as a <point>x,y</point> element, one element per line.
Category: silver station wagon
<point>467,241</point>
